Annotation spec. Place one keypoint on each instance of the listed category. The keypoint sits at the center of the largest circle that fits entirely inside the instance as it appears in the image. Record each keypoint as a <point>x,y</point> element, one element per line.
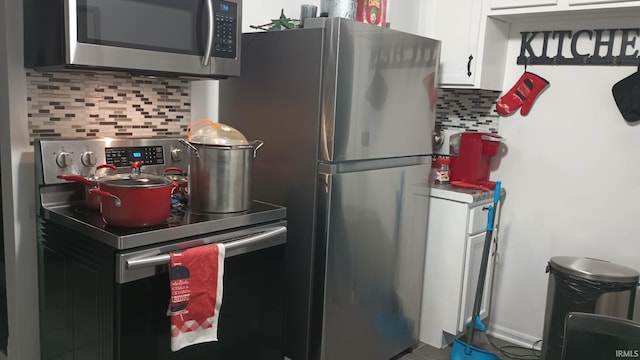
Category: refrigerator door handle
<point>333,168</point>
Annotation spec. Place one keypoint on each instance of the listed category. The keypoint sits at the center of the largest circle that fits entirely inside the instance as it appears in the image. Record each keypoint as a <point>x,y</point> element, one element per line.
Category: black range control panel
<point>125,156</point>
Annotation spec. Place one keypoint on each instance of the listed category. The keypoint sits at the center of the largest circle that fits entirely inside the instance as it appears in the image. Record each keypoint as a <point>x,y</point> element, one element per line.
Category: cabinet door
<point>474,46</point>
<point>507,4</point>
<point>478,217</point>
<point>473,258</point>
<point>457,24</point>
<point>586,2</point>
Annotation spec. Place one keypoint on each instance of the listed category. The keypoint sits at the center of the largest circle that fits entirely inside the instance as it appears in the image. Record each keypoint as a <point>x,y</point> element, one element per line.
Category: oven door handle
<point>147,262</point>
<point>232,248</point>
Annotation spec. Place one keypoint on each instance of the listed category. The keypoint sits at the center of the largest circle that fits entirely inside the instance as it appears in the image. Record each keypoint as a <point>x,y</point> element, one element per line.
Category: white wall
<point>17,189</point>
<point>572,174</point>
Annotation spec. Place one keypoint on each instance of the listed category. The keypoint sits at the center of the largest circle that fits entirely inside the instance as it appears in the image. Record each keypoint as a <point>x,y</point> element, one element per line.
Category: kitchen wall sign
<point>581,47</point>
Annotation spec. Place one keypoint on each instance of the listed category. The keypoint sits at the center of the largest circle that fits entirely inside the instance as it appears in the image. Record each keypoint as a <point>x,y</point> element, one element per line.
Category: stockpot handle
<point>257,144</point>
<point>191,146</point>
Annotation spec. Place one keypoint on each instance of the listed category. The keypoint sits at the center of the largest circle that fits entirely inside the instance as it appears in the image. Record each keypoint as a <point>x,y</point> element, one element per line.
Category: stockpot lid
<point>141,180</point>
<point>594,269</point>
<point>208,132</point>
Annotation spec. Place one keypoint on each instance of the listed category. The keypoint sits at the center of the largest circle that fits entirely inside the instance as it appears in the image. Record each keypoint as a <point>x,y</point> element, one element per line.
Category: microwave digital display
<point>224,7</point>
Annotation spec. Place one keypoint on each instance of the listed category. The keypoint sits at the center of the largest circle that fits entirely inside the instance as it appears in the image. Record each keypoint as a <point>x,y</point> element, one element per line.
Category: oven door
<point>251,317</point>
<point>199,37</point>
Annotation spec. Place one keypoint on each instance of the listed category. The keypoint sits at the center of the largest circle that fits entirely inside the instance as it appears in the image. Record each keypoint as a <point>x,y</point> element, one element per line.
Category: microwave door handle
<point>209,45</point>
<point>232,248</point>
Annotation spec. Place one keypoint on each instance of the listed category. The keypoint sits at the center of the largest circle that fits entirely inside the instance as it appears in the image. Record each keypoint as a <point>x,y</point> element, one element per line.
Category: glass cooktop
<point>181,223</point>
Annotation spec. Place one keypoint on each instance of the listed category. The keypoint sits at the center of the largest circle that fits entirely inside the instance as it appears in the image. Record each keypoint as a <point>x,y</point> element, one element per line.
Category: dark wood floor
<point>481,341</point>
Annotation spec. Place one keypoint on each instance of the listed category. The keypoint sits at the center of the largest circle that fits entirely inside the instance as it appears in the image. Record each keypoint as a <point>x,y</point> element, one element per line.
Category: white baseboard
<point>512,336</point>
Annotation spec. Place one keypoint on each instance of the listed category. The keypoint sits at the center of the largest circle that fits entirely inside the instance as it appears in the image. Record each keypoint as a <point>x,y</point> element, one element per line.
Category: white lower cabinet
<point>456,234</point>
<point>473,257</point>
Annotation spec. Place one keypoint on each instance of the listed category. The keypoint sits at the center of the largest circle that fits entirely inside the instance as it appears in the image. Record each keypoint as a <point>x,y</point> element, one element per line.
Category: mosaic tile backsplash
<point>81,105</point>
<point>468,110</point>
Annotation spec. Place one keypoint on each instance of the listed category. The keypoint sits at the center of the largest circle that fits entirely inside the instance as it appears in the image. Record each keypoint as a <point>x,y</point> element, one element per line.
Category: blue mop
<point>460,350</point>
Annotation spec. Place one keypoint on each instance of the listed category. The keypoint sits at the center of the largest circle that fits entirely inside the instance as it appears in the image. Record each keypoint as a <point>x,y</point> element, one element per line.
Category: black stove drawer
<point>86,314</point>
<point>251,317</point>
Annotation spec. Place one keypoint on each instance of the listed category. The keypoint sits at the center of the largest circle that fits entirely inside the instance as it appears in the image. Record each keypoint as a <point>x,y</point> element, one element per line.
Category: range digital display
<point>125,156</point>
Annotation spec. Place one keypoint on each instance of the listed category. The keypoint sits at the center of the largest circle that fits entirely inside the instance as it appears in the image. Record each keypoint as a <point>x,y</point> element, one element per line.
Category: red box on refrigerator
<point>372,12</point>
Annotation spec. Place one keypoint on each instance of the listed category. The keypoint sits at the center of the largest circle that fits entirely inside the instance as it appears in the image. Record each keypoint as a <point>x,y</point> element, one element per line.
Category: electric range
<point>62,202</point>
<point>104,290</point>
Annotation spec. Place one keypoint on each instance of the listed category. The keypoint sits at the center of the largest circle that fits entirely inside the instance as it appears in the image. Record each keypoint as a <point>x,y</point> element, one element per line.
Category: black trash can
<point>584,285</point>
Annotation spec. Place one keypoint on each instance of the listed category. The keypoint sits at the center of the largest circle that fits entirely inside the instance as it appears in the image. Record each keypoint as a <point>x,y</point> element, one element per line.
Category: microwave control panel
<point>226,29</point>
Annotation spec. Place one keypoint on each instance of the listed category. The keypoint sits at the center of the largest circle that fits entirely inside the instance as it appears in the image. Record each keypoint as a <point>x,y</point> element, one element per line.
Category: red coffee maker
<point>470,154</point>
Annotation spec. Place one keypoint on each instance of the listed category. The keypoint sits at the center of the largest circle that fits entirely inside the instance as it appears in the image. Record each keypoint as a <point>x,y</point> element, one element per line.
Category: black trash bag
<point>574,294</point>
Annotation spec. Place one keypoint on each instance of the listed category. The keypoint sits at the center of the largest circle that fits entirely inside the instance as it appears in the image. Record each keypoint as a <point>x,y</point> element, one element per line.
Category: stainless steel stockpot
<point>220,177</point>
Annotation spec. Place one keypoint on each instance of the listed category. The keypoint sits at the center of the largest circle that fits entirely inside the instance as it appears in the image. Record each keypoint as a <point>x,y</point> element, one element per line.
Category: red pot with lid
<point>136,199</point>
<point>92,201</point>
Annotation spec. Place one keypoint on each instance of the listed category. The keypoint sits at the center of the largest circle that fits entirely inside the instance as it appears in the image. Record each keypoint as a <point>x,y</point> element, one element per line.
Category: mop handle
<point>496,194</point>
<point>483,264</point>
<point>492,209</point>
<point>490,218</point>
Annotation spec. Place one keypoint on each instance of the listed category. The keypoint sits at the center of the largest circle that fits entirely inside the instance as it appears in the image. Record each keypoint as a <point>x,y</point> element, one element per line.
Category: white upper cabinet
<point>582,2</point>
<point>473,52</point>
<point>506,4</point>
<point>501,8</point>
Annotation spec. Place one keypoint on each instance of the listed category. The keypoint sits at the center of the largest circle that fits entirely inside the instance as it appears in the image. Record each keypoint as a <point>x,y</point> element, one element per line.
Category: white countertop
<point>460,194</point>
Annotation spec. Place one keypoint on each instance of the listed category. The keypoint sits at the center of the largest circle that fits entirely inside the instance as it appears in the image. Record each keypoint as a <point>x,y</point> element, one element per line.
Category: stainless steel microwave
<point>193,38</point>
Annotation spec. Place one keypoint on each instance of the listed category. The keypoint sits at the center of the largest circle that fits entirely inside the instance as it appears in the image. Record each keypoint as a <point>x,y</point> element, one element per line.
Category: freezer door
<point>371,239</point>
<point>378,92</point>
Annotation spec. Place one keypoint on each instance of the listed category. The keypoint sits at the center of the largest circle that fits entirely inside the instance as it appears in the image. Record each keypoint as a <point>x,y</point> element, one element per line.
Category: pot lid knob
<point>135,168</point>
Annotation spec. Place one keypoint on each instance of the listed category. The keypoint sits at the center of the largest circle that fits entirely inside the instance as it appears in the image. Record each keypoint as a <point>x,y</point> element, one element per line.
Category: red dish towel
<point>196,294</point>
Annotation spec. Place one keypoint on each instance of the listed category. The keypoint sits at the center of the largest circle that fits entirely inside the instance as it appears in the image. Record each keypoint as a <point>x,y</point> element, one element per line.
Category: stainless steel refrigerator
<point>346,112</point>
